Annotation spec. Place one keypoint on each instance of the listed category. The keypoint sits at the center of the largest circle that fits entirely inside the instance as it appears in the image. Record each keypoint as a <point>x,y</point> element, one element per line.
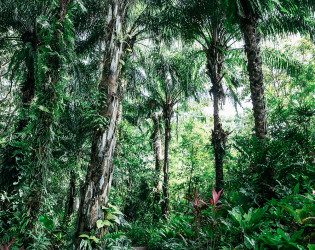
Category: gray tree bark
<point>95,192</point>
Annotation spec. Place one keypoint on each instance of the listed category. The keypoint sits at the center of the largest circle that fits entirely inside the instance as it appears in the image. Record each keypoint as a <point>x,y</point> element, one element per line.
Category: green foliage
<point>49,107</point>
<point>250,221</point>
<point>173,235</point>
<point>282,239</point>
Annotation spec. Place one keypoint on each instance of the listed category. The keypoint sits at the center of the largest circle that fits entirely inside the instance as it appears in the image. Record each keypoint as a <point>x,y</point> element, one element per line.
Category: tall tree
<point>95,191</point>
<point>39,27</point>
<point>206,23</point>
<point>49,82</point>
<point>23,24</point>
<point>273,18</point>
<point>165,81</point>
<point>122,30</point>
<point>157,147</point>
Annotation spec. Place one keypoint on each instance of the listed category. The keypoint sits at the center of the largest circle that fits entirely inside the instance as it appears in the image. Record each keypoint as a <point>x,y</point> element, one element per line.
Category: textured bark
<point>95,192</point>
<point>249,26</point>
<point>252,39</point>
<point>157,147</point>
<point>167,113</point>
<point>215,57</point>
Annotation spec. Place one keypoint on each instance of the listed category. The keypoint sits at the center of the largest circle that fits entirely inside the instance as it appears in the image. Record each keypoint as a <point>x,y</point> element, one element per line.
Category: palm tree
<point>20,17</point>
<point>207,24</point>
<point>273,17</point>
<point>122,29</point>
<point>165,79</point>
<point>118,37</point>
<point>40,56</point>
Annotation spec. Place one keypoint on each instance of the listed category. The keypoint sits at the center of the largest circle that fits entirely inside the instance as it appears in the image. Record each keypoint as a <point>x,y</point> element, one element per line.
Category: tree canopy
<point>165,124</point>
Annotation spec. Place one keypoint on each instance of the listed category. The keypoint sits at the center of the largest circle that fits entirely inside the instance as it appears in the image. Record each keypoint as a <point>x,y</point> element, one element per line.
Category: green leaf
<point>297,235</point>
<point>113,217</point>
<point>101,223</point>
<point>296,188</point>
<point>311,246</point>
<point>42,108</point>
<point>84,236</point>
<point>48,223</point>
<point>284,235</point>
<point>249,243</point>
<point>96,240</point>
<point>117,212</point>
<point>112,206</point>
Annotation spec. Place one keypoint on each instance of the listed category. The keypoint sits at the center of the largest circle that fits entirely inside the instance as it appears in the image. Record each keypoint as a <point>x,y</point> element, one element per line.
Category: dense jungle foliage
<point>157,124</point>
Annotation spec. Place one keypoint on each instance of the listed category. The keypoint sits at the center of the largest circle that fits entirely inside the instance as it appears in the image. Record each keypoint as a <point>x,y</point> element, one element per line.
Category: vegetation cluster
<point>165,124</point>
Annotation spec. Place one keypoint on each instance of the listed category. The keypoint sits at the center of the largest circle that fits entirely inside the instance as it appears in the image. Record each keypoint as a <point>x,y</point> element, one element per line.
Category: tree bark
<point>215,58</point>
<point>72,193</point>
<point>167,113</point>
<point>249,26</point>
<point>157,147</point>
<point>95,192</point>
<point>252,37</point>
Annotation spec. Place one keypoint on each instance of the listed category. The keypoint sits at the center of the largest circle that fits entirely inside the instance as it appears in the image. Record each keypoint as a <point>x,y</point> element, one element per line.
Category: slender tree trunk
<point>71,197</point>
<point>191,170</point>
<point>167,113</point>
<point>218,142</point>
<point>215,56</point>
<point>254,67</point>
<point>157,147</point>
<point>95,192</point>
<point>249,26</point>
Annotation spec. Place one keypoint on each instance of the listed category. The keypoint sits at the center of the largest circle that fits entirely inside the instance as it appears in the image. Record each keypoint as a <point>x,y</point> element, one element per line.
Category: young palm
<point>163,81</point>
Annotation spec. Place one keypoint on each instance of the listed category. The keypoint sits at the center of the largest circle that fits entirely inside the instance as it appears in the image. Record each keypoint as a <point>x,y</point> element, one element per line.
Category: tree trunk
<point>254,67</point>
<point>249,26</point>
<point>218,142</point>
<point>191,170</point>
<point>47,98</point>
<point>95,192</point>
<point>157,147</point>
<point>72,192</point>
<point>167,113</point>
<point>215,56</point>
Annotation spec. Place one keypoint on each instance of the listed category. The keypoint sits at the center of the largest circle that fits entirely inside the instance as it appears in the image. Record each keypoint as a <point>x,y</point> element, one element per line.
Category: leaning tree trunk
<point>167,113</point>
<point>215,58</point>
<point>95,192</point>
<point>252,38</point>
<point>157,147</point>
